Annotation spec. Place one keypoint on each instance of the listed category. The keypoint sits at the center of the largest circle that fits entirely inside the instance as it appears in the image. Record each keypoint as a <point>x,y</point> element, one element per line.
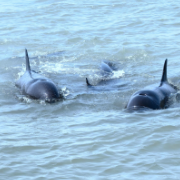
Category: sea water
<point>88,135</point>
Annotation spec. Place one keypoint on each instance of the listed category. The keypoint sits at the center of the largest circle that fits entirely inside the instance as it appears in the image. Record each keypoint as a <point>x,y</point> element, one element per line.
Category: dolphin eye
<point>143,94</point>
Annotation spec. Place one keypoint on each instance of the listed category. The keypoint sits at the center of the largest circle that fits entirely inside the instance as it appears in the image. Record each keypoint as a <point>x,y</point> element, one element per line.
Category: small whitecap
<point>118,74</point>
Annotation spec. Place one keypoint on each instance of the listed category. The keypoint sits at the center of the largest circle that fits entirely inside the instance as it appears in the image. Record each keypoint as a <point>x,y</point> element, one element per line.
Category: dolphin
<point>155,98</point>
<point>37,86</point>
<point>107,69</point>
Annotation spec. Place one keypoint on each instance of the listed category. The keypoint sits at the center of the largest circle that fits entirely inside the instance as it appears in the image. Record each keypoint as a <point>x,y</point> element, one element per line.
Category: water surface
<point>89,135</point>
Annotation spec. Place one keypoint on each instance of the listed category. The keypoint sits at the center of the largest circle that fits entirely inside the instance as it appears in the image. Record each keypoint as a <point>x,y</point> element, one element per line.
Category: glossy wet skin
<point>37,86</point>
<point>42,89</point>
<point>155,98</point>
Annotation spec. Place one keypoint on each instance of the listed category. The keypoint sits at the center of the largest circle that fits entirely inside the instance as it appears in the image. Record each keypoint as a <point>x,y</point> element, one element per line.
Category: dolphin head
<point>44,90</point>
<point>144,99</point>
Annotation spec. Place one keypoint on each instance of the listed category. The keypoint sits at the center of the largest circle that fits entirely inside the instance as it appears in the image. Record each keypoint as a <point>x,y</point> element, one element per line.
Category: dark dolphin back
<point>43,89</point>
<point>106,68</point>
<point>37,86</point>
<point>156,98</point>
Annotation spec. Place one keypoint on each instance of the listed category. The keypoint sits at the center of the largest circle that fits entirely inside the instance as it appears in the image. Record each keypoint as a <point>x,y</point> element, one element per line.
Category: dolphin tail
<point>87,82</point>
<point>28,68</point>
<point>164,74</point>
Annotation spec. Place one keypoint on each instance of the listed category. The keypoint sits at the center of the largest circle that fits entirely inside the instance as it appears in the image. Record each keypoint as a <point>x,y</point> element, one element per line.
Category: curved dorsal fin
<point>28,68</point>
<point>164,74</point>
<point>87,82</point>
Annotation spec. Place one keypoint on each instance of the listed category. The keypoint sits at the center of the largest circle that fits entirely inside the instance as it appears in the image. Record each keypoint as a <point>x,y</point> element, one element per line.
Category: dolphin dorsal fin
<point>87,82</point>
<point>164,74</point>
<point>28,68</point>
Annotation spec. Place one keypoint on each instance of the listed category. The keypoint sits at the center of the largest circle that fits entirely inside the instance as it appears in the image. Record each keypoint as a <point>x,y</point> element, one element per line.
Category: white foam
<point>65,91</point>
<point>118,74</point>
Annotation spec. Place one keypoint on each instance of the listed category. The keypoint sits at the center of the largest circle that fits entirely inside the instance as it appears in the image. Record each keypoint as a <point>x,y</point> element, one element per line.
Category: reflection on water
<point>89,134</point>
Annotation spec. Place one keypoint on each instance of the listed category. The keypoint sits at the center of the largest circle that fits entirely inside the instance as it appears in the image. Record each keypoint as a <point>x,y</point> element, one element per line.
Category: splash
<point>118,74</point>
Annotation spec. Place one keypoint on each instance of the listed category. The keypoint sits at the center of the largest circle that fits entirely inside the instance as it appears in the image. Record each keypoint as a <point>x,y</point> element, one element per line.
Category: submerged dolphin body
<point>107,69</point>
<point>155,98</point>
<point>37,86</point>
